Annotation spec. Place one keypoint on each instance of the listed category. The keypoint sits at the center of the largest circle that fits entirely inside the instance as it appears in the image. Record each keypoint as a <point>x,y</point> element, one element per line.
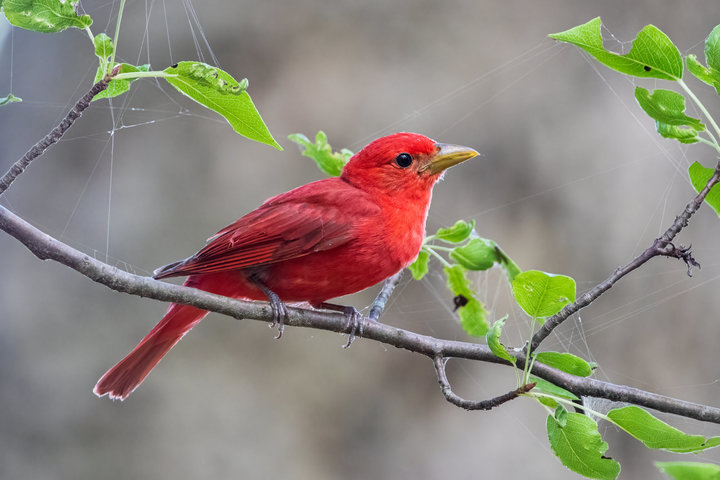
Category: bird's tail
<point>128,374</point>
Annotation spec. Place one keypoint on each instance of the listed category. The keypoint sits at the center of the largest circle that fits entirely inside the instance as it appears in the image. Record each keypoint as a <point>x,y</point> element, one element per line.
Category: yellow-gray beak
<point>448,155</point>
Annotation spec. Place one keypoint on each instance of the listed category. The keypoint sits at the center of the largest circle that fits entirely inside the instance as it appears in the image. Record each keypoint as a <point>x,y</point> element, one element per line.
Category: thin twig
<point>382,297</point>
<point>52,137</point>
<point>458,401</point>
<point>48,248</point>
<point>662,246</point>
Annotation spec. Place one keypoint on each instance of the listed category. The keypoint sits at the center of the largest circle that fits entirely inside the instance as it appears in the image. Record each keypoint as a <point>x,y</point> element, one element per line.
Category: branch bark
<point>51,138</point>
<point>46,247</point>
<point>458,401</point>
<point>662,246</point>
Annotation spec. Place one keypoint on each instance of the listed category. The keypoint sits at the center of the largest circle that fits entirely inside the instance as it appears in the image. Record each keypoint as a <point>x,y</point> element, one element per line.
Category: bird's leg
<point>384,295</point>
<point>354,319</point>
<point>279,309</point>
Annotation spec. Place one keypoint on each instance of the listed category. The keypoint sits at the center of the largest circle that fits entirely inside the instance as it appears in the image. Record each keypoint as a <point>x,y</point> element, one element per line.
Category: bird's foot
<point>279,309</point>
<point>354,325</point>
<point>280,313</point>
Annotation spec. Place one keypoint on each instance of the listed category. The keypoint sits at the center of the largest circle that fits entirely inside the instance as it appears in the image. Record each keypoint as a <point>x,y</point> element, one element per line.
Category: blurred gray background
<point>573,180</point>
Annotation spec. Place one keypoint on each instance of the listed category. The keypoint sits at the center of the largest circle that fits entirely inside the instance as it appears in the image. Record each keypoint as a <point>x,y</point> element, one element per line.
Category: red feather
<point>308,219</point>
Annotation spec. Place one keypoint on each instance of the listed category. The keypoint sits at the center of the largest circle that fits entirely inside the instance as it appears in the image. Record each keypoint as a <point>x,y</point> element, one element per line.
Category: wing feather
<point>288,226</point>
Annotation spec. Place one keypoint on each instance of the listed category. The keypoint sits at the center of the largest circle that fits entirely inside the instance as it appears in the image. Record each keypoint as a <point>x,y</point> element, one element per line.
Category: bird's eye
<point>404,160</point>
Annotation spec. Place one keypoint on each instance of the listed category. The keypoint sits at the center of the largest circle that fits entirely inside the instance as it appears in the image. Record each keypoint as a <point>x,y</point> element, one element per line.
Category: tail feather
<point>129,373</point>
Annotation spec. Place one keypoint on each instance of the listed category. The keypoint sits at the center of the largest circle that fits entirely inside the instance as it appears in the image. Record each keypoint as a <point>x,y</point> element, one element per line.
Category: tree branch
<point>46,247</point>
<point>451,397</point>
<point>662,246</point>
<point>52,137</point>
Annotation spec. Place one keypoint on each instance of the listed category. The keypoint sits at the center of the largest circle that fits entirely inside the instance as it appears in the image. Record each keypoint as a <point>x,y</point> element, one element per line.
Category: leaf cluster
<point>654,55</point>
<point>574,437</point>
<point>209,86</point>
<point>576,440</point>
<point>331,163</point>
<point>466,252</point>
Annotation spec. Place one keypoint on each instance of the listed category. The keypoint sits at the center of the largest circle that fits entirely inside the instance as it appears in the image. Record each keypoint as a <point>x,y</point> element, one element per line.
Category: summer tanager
<point>323,240</point>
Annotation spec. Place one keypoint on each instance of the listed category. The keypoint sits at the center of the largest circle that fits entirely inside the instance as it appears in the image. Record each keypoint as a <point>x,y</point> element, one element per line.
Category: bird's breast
<point>379,249</point>
<point>383,240</point>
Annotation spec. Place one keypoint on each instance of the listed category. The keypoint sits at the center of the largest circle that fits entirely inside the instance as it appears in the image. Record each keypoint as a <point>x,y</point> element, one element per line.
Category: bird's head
<point>403,162</point>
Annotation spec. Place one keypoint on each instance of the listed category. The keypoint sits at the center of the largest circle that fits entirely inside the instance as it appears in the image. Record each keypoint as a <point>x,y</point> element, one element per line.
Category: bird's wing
<point>291,225</point>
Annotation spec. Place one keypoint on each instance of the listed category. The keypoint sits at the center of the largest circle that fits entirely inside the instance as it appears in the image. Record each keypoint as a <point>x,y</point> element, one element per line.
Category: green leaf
<point>667,108</point>
<point>493,341</point>
<point>690,470</point>
<point>220,92</point>
<point>457,282</point>
<point>681,134</point>
<point>566,362</point>
<point>103,47</point>
<point>477,254</point>
<point>580,447</point>
<point>473,315</point>
<point>711,76</point>
<point>9,99</point>
<point>473,318</point>
<point>560,415</point>
<point>419,268</point>
<point>457,233</point>
<point>510,267</point>
<point>548,402</point>
<point>698,69</point>
<point>543,386</point>
<point>330,162</point>
<point>699,177</point>
<point>542,294</point>
<point>652,53</point>
<point>46,16</point>
<point>711,73</point>
<point>118,87</point>
<point>712,49</point>
<point>655,433</point>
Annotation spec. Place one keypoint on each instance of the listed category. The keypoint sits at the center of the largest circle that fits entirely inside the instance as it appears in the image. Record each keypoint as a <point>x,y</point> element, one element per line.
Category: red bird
<point>323,240</point>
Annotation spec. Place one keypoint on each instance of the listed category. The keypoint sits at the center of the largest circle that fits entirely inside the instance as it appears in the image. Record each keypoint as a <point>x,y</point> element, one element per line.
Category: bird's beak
<point>448,155</point>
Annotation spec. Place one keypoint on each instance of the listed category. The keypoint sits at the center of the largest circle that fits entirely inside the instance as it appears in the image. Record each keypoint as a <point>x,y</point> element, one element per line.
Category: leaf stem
<point>430,250</point>
<point>154,74</point>
<point>712,142</point>
<point>90,34</point>
<point>117,31</point>
<point>569,403</point>
<point>702,108</point>
<point>442,249</point>
<point>529,360</point>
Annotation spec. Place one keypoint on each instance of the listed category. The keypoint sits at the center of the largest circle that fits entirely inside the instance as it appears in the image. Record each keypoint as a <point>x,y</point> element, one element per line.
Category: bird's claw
<point>280,314</point>
<point>354,324</point>
<point>279,309</point>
